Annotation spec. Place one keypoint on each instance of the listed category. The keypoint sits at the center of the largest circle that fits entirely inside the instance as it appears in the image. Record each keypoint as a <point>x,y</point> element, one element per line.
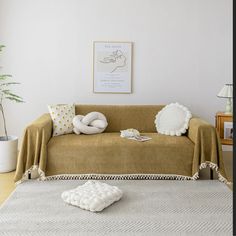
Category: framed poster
<point>228,130</point>
<point>112,67</point>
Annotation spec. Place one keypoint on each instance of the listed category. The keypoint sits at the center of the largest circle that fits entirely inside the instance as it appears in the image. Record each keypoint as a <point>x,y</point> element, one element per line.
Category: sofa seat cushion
<point>108,153</point>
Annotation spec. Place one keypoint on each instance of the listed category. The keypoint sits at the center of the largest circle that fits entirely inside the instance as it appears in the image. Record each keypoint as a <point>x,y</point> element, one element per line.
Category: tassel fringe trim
<point>118,177</point>
<point>26,174</point>
<point>42,176</point>
<point>214,167</point>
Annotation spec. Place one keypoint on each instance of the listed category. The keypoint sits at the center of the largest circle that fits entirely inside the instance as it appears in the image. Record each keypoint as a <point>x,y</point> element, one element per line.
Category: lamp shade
<point>226,91</point>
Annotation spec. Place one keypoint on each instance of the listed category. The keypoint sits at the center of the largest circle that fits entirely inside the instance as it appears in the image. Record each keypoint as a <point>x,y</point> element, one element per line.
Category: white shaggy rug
<point>148,207</point>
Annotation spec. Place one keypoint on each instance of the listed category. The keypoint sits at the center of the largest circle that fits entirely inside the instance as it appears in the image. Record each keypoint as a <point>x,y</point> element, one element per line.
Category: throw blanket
<point>37,135</point>
<point>92,123</point>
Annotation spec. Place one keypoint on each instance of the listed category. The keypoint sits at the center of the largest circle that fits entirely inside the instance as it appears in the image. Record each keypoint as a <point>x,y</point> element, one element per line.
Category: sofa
<point>108,156</point>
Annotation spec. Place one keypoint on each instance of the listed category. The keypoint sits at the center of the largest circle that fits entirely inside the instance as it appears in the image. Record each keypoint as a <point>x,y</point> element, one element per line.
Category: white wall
<point>182,52</point>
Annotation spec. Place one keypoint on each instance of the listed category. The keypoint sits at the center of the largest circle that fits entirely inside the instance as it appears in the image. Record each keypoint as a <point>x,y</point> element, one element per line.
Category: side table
<point>224,127</point>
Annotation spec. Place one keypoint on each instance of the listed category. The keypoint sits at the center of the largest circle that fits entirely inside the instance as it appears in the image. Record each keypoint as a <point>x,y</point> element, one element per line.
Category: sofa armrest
<point>197,125</point>
<point>33,151</point>
<point>207,147</point>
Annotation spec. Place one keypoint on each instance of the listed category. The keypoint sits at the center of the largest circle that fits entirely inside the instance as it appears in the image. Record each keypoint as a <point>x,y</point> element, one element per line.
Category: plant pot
<point>8,153</point>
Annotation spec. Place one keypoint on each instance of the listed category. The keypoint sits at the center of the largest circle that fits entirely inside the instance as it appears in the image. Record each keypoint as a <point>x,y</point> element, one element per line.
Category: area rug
<point>148,207</point>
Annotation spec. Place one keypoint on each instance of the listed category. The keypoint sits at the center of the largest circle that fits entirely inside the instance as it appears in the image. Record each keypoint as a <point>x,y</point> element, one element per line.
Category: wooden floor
<point>7,184</point>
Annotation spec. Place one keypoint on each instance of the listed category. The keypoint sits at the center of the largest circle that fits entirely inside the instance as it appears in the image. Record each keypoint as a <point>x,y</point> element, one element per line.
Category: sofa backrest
<point>120,117</point>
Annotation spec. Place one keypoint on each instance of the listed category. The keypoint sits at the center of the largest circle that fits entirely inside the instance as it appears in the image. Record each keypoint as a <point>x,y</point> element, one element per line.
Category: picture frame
<point>228,130</point>
<point>221,124</point>
<point>112,67</point>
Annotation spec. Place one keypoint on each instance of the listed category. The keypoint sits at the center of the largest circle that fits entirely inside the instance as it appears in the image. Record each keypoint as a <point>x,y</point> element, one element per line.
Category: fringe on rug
<point>42,176</point>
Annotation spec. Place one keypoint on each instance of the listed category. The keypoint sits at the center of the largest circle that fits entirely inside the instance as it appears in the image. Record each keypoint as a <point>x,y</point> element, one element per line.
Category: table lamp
<point>227,92</point>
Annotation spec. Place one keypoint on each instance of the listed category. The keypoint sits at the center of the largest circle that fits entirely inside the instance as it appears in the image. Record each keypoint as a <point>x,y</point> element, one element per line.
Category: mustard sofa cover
<point>107,155</point>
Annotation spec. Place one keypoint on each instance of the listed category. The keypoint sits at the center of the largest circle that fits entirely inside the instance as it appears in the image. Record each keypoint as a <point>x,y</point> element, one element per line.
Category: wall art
<point>112,67</point>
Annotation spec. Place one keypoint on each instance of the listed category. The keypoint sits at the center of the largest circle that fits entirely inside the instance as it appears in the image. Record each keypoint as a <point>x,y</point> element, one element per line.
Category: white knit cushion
<point>62,116</point>
<point>92,196</point>
<point>173,119</point>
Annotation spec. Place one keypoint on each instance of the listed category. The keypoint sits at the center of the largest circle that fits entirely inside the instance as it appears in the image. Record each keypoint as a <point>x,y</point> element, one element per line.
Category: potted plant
<point>8,143</point>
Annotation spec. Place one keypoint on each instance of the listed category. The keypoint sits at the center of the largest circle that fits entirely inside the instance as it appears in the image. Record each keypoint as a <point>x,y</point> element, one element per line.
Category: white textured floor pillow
<point>92,123</point>
<point>92,196</point>
<point>173,119</point>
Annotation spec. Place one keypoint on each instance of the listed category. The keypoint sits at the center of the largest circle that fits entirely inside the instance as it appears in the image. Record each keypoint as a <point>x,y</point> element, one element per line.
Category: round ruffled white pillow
<point>173,119</point>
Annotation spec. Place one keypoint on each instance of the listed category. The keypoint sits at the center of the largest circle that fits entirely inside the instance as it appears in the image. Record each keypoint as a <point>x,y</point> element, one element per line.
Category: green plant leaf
<point>7,84</point>
<point>3,77</point>
<point>13,95</point>
<point>1,47</point>
<point>12,98</point>
<point>5,91</point>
